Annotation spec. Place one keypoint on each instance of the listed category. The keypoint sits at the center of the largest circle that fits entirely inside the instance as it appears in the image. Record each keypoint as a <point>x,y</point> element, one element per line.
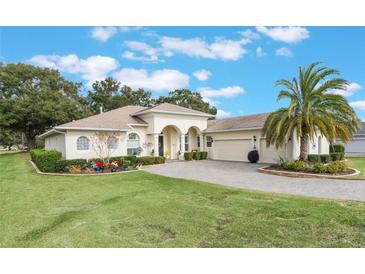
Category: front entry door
<point>160,145</point>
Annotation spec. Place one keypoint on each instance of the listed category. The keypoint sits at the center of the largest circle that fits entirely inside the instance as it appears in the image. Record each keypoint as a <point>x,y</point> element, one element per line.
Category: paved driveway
<point>244,175</point>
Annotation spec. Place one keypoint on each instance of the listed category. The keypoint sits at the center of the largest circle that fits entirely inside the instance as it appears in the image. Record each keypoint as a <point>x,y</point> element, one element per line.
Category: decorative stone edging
<point>305,175</point>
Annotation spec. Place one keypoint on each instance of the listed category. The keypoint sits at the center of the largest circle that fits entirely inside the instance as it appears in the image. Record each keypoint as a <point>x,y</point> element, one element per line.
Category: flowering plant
<point>120,163</point>
<point>99,164</point>
<point>113,164</point>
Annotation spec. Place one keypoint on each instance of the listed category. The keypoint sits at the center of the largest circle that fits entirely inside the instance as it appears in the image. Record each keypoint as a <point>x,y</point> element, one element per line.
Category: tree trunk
<point>31,142</point>
<point>303,148</point>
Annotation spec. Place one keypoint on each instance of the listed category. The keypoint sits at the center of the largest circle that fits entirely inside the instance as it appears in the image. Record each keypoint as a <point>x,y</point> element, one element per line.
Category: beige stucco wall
<point>158,121</point>
<point>72,136</point>
<point>315,146</point>
<point>56,142</point>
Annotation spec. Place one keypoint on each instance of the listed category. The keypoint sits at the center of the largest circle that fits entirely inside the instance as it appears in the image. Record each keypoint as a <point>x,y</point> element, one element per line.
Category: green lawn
<point>144,210</point>
<point>359,164</point>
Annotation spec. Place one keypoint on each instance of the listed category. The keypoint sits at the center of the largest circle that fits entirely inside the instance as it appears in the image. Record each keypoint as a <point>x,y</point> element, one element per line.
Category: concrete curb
<point>305,175</point>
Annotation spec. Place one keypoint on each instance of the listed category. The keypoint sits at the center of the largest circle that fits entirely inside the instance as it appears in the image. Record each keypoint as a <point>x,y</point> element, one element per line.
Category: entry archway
<point>169,142</point>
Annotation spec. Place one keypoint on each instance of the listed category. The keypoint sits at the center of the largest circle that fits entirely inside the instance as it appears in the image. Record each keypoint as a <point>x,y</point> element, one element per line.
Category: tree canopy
<point>33,99</point>
<point>313,107</point>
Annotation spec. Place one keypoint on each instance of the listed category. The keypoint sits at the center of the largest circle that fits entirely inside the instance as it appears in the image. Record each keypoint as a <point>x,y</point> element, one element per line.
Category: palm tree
<point>313,107</point>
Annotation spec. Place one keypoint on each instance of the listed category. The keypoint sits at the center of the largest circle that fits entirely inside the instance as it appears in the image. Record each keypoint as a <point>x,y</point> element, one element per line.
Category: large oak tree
<point>33,99</point>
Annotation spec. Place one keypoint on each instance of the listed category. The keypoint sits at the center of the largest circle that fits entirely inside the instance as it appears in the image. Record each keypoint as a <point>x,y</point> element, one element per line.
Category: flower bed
<point>302,169</point>
<point>51,162</point>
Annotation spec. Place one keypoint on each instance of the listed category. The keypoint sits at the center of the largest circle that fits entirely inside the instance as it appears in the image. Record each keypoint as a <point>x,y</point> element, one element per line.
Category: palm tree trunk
<point>303,148</point>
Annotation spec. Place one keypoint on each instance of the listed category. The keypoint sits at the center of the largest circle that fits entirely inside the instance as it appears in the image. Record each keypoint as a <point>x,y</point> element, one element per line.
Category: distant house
<point>357,144</point>
<point>170,130</point>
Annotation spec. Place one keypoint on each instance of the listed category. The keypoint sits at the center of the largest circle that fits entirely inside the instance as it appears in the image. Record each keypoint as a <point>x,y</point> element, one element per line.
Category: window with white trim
<point>112,143</point>
<point>209,141</point>
<point>198,141</point>
<point>82,143</point>
<point>133,144</point>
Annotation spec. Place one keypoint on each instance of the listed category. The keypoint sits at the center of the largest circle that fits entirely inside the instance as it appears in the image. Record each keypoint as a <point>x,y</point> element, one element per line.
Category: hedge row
<point>46,160</point>
<point>337,148</point>
<point>50,161</point>
<point>196,155</point>
<point>319,158</point>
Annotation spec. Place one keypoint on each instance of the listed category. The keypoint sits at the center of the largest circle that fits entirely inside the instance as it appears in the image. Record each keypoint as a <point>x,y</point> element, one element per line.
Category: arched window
<point>112,143</point>
<point>133,144</point>
<point>82,143</point>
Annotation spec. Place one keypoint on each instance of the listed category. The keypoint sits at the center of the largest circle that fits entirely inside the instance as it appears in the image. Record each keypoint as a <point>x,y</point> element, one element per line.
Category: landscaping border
<point>305,175</point>
<point>85,174</point>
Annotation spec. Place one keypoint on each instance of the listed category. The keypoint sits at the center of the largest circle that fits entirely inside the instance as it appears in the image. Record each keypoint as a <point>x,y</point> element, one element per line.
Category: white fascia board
<point>95,129</point>
<point>50,132</point>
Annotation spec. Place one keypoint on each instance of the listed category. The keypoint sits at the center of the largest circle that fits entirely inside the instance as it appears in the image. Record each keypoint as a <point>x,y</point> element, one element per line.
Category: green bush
<point>80,163</point>
<point>188,156</point>
<point>203,155</point>
<point>337,156</point>
<point>61,166</point>
<point>325,158</point>
<point>196,155</point>
<point>296,165</point>
<point>46,160</point>
<point>150,160</point>
<point>319,168</point>
<point>336,167</point>
<point>337,148</point>
<point>314,158</point>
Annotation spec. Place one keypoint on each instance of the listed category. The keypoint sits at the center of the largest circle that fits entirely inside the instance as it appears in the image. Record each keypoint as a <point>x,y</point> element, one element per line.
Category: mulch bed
<point>310,171</point>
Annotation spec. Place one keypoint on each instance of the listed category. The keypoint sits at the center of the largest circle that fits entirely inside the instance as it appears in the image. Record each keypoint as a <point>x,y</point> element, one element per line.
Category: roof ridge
<point>241,116</point>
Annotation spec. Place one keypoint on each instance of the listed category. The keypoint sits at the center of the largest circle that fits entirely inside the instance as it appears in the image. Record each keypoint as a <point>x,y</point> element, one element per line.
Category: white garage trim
<point>232,139</point>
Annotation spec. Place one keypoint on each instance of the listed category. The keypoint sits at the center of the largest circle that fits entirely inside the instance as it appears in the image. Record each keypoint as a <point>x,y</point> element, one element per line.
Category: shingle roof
<point>237,123</point>
<point>166,107</point>
<point>117,119</point>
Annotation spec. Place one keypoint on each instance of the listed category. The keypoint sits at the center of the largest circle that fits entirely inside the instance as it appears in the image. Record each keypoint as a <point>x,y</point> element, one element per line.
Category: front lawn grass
<point>145,210</point>
<point>359,164</point>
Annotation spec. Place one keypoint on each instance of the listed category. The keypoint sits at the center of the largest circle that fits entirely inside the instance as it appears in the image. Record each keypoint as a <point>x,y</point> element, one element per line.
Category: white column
<point>155,144</point>
<point>182,141</point>
<point>201,139</point>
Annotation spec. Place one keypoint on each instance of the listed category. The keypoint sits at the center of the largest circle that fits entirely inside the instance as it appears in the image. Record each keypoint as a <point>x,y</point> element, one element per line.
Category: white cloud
<point>285,34</point>
<point>358,104</point>
<point>202,75</point>
<point>211,102</point>
<point>129,29</point>
<point>150,53</point>
<point>350,90</point>
<point>222,114</point>
<point>196,47</point>
<point>260,52</point>
<point>159,80</point>
<point>227,92</point>
<point>103,33</point>
<point>284,52</point>
<point>249,34</point>
<point>91,69</point>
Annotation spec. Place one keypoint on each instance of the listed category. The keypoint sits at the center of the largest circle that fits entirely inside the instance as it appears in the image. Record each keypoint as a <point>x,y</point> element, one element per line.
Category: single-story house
<point>357,143</point>
<point>170,130</point>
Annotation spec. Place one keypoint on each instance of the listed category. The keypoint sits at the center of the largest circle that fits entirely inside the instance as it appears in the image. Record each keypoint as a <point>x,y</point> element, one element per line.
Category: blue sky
<point>233,67</point>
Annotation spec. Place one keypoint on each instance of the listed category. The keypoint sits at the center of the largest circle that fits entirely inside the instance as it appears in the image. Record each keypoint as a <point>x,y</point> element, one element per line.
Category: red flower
<point>100,164</point>
<point>120,163</point>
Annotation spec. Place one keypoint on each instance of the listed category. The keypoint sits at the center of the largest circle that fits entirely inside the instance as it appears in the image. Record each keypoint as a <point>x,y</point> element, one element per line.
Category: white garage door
<point>355,146</point>
<point>232,150</point>
<point>270,154</point>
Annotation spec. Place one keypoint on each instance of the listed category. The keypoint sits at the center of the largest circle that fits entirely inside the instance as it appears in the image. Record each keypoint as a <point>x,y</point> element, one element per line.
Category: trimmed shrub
<point>319,168</point>
<point>150,160</point>
<point>337,148</point>
<point>314,158</point>
<point>46,160</point>
<point>188,156</point>
<point>336,167</point>
<point>80,163</point>
<point>337,156</point>
<point>296,166</point>
<point>204,155</point>
<point>61,166</point>
<point>253,156</point>
<point>325,158</point>
<point>196,155</point>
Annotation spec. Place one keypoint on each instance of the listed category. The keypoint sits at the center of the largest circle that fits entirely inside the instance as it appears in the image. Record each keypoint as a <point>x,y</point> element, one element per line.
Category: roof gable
<point>174,109</point>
